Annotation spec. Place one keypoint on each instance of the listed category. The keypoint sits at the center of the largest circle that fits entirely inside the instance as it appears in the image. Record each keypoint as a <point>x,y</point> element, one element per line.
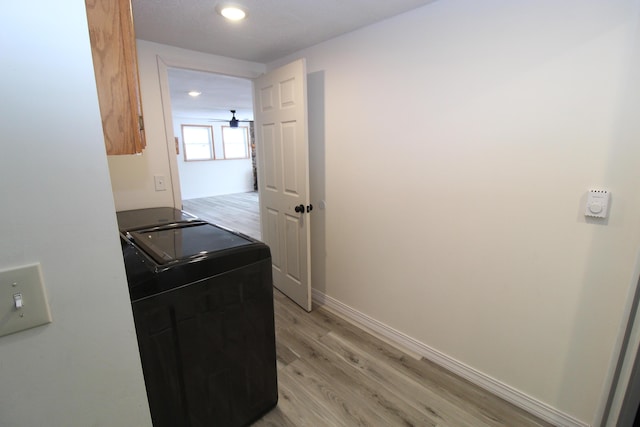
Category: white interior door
<point>280,114</point>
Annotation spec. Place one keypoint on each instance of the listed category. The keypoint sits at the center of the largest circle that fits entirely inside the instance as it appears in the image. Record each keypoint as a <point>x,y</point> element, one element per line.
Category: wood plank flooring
<point>236,211</point>
<point>331,373</point>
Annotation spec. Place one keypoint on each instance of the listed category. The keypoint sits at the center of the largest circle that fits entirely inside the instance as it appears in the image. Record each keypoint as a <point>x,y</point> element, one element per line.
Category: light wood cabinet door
<point>113,46</point>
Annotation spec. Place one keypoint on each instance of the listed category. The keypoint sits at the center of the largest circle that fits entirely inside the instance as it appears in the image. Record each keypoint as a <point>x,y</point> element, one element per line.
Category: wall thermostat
<point>597,203</point>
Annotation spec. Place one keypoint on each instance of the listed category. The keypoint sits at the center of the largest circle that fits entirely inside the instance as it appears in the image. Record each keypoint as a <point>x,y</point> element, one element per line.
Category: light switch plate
<point>23,301</point>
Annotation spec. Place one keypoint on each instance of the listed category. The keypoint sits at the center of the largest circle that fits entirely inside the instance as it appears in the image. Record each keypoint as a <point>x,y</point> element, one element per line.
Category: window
<point>235,142</point>
<point>198,142</point>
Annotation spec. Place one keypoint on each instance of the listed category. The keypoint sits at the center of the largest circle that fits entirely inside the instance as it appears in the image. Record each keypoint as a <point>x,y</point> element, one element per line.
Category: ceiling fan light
<point>233,123</point>
<point>233,13</point>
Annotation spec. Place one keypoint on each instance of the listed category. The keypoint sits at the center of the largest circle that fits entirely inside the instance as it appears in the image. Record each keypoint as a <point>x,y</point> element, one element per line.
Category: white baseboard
<point>504,391</point>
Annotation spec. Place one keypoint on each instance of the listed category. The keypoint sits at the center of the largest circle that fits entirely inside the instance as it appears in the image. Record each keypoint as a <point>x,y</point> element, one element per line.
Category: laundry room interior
<point>446,189</point>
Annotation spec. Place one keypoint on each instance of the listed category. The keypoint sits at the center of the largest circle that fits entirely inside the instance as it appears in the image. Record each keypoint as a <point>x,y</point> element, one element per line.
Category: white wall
<point>83,369</point>
<point>457,143</point>
<point>215,177</point>
<point>454,203</point>
<point>132,176</point>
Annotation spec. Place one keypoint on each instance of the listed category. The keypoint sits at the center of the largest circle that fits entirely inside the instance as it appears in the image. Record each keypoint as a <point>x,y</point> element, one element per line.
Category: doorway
<point>293,88</point>
<point>212,119</point>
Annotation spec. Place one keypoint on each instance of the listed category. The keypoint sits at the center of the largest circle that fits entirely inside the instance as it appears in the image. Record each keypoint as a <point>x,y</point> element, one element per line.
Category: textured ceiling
<point>219,94</point>
<point>272,30</point>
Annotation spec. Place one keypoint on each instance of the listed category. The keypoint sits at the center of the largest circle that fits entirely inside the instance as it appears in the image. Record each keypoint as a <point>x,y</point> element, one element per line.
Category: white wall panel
<point>83,369</point>
<point>459,142</point>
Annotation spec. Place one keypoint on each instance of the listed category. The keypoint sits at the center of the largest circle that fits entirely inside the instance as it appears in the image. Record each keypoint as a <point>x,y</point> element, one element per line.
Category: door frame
<point>620,394</point>
<point>217,65</point>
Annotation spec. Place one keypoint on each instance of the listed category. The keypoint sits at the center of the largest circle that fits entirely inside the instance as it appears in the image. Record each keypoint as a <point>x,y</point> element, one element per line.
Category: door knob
<point>299,208</point>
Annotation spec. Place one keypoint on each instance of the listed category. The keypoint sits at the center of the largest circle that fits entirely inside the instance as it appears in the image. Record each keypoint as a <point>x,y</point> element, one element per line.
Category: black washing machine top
<point>180,242</point>
<point>166,257</point>
<point>151,217</point>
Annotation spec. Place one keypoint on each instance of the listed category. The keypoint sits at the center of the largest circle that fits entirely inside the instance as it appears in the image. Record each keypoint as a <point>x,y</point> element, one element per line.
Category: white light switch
<point>23,301</point>
<point>17,300</point>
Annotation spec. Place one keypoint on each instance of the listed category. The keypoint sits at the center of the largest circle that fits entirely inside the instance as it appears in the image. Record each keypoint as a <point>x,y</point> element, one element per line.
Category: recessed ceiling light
<point>232,13</point>
<point>195,93</point>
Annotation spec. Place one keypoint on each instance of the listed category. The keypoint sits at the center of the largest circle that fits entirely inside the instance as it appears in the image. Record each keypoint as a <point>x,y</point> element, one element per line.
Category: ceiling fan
<point>233,122</point>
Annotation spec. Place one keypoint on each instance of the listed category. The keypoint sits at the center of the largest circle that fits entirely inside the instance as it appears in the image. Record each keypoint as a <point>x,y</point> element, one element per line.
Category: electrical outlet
<point>160,183</point>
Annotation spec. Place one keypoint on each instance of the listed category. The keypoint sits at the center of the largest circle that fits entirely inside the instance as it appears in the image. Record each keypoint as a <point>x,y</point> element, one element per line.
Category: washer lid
<point>145,218</point>
<point>179,242</point>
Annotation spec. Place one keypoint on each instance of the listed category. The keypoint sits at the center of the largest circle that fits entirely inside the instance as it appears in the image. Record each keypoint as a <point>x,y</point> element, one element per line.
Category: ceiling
<point>272,30</point>
<point>219,94</point>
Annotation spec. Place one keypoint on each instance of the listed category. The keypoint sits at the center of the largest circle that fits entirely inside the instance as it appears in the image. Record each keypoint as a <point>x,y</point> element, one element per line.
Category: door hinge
<point>141,122</point>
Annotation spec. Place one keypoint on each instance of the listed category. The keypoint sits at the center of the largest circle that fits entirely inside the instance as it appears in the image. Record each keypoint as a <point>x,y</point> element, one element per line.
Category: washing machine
<point>202,299</point>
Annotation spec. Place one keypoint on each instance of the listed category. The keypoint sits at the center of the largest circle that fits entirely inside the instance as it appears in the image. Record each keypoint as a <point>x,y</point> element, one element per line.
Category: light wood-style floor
<point>331,373</point>
<point>239,212</point>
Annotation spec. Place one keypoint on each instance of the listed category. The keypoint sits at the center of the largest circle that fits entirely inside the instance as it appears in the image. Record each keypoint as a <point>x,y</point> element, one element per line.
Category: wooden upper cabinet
<point>113,46</point>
